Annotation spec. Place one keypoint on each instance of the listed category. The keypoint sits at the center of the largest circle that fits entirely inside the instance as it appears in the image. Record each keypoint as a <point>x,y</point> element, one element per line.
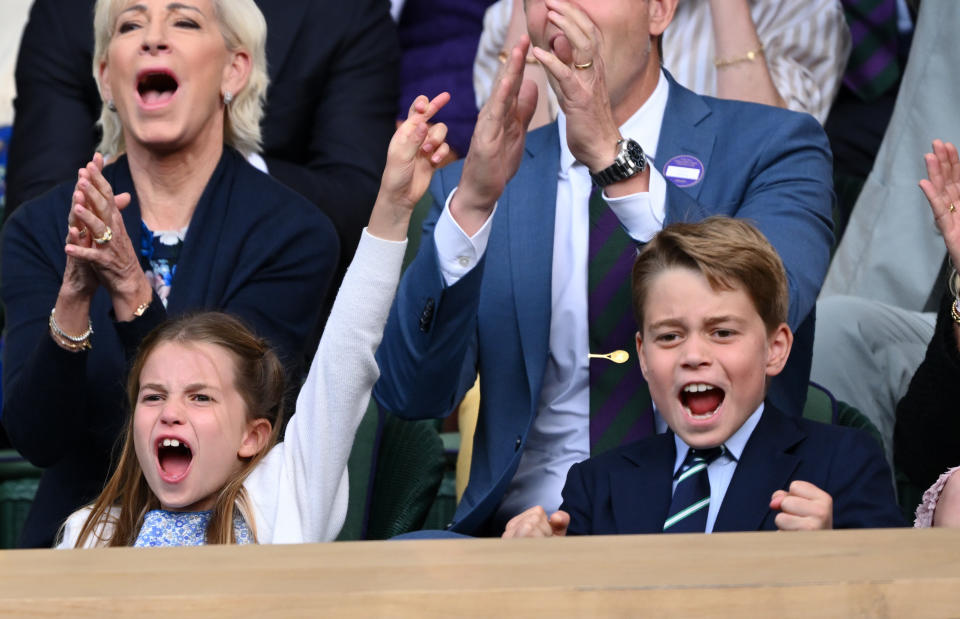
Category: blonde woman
<point>178,221</point>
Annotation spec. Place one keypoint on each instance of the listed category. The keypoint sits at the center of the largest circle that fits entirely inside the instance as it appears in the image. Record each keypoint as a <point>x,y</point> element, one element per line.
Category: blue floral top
<point>159,252</point>
<point>165,528</point>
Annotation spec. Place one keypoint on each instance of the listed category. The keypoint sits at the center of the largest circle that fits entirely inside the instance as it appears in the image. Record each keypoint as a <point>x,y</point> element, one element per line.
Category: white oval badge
<point>684,170</point>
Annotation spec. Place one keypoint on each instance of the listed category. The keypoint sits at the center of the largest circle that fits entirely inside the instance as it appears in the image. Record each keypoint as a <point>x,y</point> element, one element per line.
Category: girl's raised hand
<point>416,150</point>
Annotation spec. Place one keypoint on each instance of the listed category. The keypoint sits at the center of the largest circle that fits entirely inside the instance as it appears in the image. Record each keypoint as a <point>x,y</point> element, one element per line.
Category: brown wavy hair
<point>259,378</point>
<point>730,253</point>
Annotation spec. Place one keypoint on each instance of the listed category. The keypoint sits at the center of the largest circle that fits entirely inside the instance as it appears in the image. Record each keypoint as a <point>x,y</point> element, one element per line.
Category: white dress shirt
<point>560,436</point>
<point>720,471</point>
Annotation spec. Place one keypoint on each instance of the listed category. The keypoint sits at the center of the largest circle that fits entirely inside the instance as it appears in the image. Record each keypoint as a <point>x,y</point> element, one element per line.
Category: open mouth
<point>701,400</point>
<point>174,457</point>
<point>156,87</point>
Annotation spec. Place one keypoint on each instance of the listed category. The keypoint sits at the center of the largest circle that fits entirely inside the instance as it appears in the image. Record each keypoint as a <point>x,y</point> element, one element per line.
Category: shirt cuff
<point>642,214</point>
<point>458,253</point>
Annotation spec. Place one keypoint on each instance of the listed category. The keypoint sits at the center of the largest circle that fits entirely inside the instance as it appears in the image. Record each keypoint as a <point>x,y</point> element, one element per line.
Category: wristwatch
<point>630,161</point>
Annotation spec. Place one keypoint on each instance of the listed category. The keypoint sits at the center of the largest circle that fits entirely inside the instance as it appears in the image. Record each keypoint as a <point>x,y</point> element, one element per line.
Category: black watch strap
<point>630,161</point>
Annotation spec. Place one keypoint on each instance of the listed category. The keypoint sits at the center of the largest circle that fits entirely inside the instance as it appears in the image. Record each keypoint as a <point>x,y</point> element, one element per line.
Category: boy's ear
<point>255,438</point>
<point>779,344</point>
<point>643,362</point>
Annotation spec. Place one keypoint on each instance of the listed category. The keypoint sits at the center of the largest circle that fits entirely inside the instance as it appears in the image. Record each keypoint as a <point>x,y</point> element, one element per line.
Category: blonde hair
<point>243,27</point>
<point>260,379</point>
<point>729,253</point>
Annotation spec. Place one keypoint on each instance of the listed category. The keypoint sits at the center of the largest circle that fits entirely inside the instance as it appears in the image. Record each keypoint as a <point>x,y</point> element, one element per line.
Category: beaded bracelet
<point>73,343</point>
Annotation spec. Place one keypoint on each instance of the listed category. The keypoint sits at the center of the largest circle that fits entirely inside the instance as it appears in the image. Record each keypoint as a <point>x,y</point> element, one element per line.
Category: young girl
<point>200,460</point>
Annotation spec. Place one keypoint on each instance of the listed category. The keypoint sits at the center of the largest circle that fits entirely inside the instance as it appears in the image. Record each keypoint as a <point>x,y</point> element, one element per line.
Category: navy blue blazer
<point>254,249</point>
<point>766,164</point>
<point>329,116</point>
<point>628,489</point>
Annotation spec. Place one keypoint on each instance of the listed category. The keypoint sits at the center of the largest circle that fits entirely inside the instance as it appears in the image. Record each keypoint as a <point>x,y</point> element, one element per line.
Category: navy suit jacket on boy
<point>628,490</point>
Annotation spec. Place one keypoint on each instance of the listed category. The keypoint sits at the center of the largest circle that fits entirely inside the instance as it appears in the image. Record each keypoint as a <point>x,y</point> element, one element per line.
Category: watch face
<point>634,152</point>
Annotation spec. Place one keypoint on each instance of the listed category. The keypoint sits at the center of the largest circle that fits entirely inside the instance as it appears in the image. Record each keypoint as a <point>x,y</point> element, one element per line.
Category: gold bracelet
<point>73,343</point>
<point>955,311</point>
<point>502,56</point>
<point>748,57</point>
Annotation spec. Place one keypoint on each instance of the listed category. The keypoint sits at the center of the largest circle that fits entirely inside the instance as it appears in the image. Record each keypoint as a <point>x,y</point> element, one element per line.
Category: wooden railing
<point>879,573</point>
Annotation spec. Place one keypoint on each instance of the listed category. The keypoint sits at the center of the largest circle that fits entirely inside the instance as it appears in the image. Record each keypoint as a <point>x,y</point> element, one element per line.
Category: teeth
<point>170,442</point>
<point>697,387</point>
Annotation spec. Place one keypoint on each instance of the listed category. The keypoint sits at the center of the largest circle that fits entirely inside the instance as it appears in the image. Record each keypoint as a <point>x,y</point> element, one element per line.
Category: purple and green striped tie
<point>620,410</point>
<point>691,498</point>
<point>873,65</point>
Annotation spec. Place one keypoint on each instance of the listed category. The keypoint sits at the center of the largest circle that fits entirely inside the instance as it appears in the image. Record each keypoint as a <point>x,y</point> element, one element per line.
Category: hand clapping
<point>98,238</point>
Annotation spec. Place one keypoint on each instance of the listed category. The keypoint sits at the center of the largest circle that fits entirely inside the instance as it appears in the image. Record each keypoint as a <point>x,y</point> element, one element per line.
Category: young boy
<point>710,299</point>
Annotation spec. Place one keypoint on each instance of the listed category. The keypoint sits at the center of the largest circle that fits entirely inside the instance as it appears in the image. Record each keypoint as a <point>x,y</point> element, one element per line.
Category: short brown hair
<point>730,253</point>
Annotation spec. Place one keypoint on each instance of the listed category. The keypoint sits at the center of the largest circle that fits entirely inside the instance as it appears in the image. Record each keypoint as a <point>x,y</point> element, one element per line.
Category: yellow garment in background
<point>467,414</point>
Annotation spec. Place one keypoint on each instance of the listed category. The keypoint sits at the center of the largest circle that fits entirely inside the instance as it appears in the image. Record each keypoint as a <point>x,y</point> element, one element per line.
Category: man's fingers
<point>576,27</point>
<point>557,71</point>
<point>527,102</point>
<point>506,92</point>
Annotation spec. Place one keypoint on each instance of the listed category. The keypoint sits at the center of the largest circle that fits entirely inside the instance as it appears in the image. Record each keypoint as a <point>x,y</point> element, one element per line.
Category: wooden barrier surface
<point>878,573</point>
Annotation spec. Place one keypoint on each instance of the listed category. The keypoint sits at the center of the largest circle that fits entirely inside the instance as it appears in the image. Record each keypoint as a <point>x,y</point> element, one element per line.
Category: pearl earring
<point>227,98</point>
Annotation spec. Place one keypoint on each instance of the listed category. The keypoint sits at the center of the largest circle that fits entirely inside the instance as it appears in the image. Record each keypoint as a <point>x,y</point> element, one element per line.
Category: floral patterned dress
<point>159,252</point>
<point>165,528</point>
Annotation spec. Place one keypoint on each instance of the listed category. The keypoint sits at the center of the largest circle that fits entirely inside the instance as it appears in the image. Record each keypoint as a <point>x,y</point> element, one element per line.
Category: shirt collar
<point>643,126</point>
<point>734,444</point>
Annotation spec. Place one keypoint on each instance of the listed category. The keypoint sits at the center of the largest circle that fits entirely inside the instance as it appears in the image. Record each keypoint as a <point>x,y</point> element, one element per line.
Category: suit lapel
<point>683,133</point>
<point>284,20</point>
<point>531,199</point>
<point>641,491</point>
<point>765,466</point>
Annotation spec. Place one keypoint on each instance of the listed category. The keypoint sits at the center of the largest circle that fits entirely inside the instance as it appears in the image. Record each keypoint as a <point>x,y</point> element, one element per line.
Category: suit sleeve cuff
<point>458,253</point>
<point>642,214</point>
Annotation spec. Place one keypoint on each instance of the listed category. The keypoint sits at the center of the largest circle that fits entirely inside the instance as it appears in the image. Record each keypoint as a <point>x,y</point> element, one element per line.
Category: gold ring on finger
<point>585,65</point>
<point>83,232</point>
<point>105,237</point>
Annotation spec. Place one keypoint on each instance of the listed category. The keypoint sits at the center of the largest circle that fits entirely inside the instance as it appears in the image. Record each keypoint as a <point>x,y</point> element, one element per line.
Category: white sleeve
<point>458,253</point>
<point>299,491</point>
<point>642,214</point>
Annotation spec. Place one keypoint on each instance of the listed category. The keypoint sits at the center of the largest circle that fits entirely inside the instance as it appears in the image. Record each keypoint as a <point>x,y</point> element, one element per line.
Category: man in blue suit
<point>710,299</point>
<point>499,286</point>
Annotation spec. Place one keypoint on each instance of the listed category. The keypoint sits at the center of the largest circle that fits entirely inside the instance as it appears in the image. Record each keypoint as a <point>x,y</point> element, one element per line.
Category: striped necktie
<point>691,497</point>
<point>873,66</point>
<point>620,409</point>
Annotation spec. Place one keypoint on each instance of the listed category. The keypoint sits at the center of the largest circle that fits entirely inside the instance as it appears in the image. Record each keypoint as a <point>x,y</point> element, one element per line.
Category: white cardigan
<point>299,490</point>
